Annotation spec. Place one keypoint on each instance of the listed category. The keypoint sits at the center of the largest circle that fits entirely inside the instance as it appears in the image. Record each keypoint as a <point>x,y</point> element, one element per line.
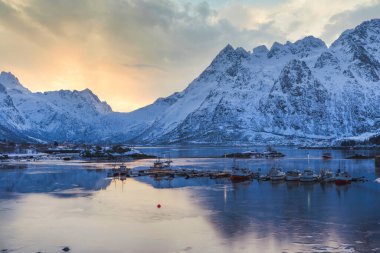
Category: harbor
<point>189,204</point>
<point>163,169</point>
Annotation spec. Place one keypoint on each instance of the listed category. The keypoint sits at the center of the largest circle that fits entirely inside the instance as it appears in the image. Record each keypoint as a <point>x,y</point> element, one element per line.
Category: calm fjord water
<point>45,206</point>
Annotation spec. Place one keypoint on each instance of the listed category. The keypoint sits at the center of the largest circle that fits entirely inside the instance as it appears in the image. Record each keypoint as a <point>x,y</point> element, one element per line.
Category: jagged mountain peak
<point>227,48</point>
<point>11,82</point>
<point>229,54</point>
<point>277,50</point>
<point>87,93</point>
<point>301,48</point>
<point>368,31</point>
<point>294,93</point>
<point>308,44</point>
<point>311,41</point>
<point>227,51</point>
<point>372,25</point>
<point>359,48</point>
<point>260,51</point>
<point>84,98</point>
<point>8,76</point>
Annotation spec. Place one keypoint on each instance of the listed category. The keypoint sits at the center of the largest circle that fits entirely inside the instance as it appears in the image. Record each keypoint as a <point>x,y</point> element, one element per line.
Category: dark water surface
<point>45,206</point>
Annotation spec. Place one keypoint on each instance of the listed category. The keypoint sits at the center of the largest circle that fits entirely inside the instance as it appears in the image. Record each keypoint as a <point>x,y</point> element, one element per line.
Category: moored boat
<point>240,174</point>
<point>121,171</point>
<point>326,156</point>
<point>292,175</point>
<point>342,178</point>
<point>158,164</point>
<point>308,175</point>
<point>327,176</point>
<point>264,178</point>
<point>220,174</point>
<point>276,174</point>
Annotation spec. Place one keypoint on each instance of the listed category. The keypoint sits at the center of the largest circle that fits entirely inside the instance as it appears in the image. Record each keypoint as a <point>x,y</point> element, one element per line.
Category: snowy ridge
<point>292,93</point>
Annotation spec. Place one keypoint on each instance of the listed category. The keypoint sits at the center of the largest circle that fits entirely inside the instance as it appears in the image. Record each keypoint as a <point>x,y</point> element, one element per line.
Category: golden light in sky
<point>131,52</point>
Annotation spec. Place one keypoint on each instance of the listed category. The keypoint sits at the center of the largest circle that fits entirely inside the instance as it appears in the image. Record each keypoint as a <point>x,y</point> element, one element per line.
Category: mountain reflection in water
<point>50,179</point>
<point>197,215</point>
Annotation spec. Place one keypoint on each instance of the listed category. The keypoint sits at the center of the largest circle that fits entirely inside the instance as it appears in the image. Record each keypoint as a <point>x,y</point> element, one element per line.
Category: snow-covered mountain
<point>57,115</point>
<point>301,92</point>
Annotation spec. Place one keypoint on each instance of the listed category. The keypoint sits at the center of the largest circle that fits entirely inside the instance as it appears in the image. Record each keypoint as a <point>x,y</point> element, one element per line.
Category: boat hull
<point>263,178</point>
<point>277,178</point>
<point>308,179</point>
<point>292,178</point>
<point>342,181</point>
<point>240,178</point>
<point>328,180</point>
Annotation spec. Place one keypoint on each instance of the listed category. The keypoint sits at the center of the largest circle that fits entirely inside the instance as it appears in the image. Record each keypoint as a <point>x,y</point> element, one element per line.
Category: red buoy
<point>159,206</point>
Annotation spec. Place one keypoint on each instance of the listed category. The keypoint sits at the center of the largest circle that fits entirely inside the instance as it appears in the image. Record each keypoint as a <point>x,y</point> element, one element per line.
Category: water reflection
<point>302,215</point>
<point>7,166</point>
<point>79,207</point>
<point>57,180</point>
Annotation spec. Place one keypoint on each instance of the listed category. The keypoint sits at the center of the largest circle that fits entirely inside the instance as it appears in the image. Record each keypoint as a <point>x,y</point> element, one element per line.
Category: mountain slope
<point>292,93</point>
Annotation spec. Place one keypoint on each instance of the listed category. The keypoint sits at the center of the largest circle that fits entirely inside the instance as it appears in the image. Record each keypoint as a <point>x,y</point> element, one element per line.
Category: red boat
<point>239,178</point>
<point>342,178</point>
<point>240,174</point>
<point>326,156</point>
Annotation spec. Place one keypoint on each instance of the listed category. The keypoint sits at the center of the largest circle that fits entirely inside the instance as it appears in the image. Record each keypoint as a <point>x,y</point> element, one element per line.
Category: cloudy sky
<point>130,52</point>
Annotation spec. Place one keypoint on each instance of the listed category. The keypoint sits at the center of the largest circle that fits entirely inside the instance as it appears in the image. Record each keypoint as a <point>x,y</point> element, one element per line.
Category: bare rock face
<point>297,101</point>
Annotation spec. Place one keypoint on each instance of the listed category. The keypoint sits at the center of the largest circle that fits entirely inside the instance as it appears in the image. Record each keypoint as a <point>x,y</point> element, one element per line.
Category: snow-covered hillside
<point>301,92</point>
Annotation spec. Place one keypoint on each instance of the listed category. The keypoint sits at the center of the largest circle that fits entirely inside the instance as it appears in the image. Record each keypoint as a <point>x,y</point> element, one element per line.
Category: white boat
<point>276,174</point>
<point>308,175</point>
<point>327,176</point>
<point>293,175</point>
<point>263,177</point>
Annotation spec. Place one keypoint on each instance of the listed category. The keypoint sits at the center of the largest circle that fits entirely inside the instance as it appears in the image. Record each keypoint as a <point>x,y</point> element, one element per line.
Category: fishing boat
<point>158,164</point>
<point>276,174</point>
<point>293,175</point>
<point>308,175</point>
<point>220,174</point>
<point>264,178</point>
<point>326,156</point>
<point>342,178</point>
<point>327,176</point>
<point>240,174</point>
<point>122,170</point>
